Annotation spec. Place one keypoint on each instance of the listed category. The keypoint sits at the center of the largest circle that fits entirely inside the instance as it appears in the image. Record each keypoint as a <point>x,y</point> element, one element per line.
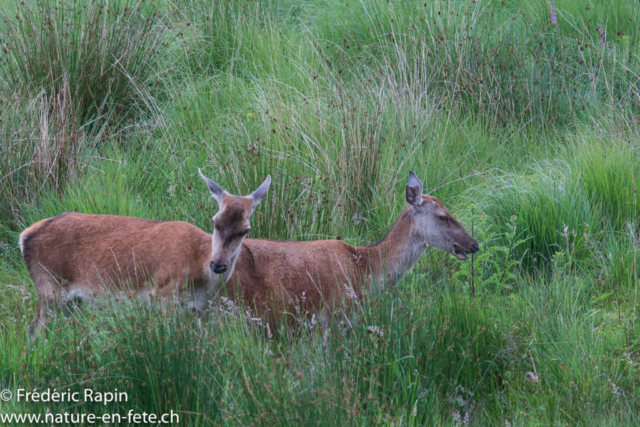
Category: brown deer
<point>76,256</point>
<point>276,277</point>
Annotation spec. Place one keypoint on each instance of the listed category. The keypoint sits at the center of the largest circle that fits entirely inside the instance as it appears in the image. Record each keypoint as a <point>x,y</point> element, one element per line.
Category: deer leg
<point>48,291</point>
<point>39,322</point>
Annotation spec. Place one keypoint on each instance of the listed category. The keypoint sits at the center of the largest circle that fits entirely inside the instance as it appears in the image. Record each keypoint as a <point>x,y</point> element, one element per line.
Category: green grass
<point>525,129</point>
<point>88,55</point>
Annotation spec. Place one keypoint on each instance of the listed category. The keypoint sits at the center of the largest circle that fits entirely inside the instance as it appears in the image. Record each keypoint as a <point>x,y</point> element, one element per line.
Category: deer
<point>283,277</point>
<point>75,257</point>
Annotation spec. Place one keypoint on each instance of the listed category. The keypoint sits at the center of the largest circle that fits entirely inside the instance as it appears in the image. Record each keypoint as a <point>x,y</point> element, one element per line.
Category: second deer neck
<point>398,251</point>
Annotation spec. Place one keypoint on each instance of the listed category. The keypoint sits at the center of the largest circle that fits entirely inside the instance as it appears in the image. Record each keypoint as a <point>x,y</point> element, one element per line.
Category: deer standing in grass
<point>276,277</point>
<point>75,256</point>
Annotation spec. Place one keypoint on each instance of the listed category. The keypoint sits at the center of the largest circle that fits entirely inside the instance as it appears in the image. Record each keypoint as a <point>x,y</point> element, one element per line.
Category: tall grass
<point>92,53</point>
<point>43,149</point>
<point>507,63</point>
<point>549,205</point>
<point>68,69</point>
<point>412,355</point>
<point>609,174</point>
<point>525,128</point>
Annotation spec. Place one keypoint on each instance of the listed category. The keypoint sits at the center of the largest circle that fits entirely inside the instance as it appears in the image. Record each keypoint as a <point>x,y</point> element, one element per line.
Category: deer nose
<point>218,269</point>
<point>475,248</point>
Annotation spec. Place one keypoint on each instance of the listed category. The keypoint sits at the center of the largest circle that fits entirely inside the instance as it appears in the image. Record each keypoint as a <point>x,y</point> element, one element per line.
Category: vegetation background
<point>521,116</point>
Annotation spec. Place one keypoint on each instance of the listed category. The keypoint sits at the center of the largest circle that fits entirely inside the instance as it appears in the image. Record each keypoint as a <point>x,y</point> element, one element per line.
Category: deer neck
<point>398,251</point>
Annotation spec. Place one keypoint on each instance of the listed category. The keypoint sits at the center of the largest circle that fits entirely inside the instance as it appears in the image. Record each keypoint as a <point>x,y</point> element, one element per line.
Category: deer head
<point>231,224</point>
<point>434,224</point>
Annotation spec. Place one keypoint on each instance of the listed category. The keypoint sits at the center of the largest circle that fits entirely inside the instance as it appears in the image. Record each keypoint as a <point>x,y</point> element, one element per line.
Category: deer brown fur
<point>77,256</point>
<point>276,277</point>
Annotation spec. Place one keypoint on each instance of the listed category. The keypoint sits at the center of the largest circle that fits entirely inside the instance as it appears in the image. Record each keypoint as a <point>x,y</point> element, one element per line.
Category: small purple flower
<point>552,12</point>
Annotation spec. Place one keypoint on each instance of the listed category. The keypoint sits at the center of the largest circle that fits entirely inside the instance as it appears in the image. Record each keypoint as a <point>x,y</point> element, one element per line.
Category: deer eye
<point>443,218</point>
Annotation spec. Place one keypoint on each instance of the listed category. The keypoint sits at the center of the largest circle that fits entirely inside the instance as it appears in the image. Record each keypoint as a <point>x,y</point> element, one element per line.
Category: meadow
<point>523,117</point>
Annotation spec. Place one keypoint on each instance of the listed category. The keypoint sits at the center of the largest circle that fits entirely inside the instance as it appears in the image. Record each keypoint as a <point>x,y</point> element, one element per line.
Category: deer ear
<point>216,191</point>
<point>259,194</point>
<point>414,190</point>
